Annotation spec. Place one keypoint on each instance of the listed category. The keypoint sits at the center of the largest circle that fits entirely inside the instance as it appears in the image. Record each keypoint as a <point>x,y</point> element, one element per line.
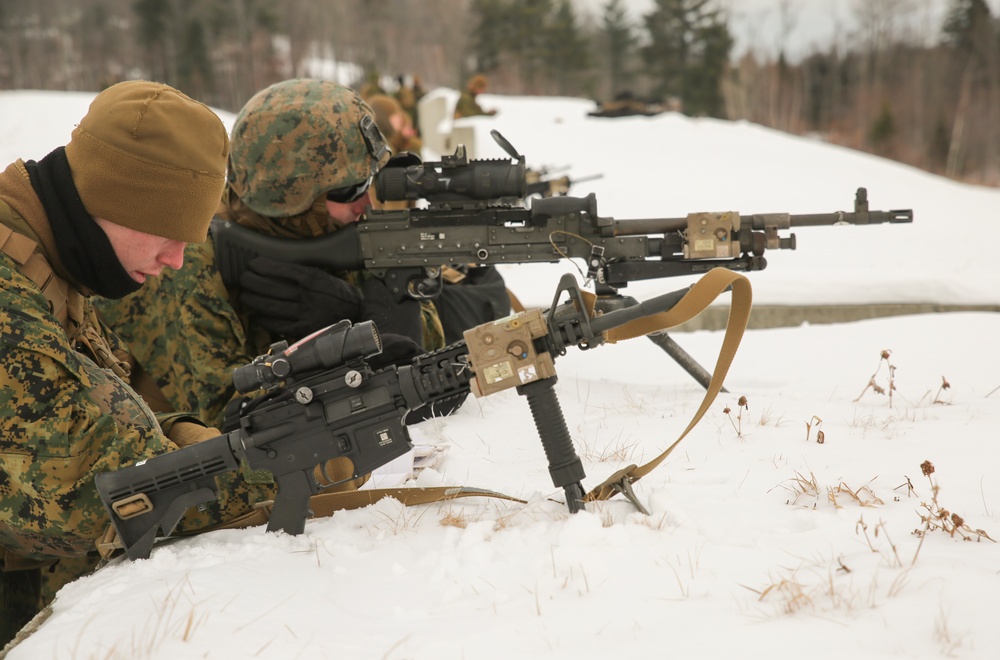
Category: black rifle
<point>476,216</point>
<point>543,183</point>
<point>323,401</point>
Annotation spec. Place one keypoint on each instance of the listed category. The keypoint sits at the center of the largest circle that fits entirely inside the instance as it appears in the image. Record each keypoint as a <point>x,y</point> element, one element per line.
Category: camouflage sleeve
<point>182,328</point>
<point>62,421</point>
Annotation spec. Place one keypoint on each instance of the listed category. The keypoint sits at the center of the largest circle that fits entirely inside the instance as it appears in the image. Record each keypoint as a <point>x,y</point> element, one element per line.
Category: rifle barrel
<point>637,226</point>
<point>851,218</point>
<point>632,227</point>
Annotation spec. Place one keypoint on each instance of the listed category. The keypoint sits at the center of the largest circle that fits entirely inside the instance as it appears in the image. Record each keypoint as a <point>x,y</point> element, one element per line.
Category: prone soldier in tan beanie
<point>140,178</point>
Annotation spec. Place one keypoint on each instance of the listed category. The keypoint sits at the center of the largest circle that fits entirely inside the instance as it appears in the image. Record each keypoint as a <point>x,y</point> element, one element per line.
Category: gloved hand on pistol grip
<point>184,434</point>
<point>391,316</point>
<point>334,475</point>
<point>293,301</point>
<point>396,349</point>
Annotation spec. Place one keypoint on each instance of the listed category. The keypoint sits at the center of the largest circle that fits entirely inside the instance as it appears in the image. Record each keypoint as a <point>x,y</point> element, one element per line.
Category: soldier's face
<point>142,255</point>
<point>345,214</point>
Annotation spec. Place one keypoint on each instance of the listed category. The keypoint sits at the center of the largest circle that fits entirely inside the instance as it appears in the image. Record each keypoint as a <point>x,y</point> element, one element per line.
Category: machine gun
<point>323,401</point>
<point>476,215</point>
<point>542,183</point>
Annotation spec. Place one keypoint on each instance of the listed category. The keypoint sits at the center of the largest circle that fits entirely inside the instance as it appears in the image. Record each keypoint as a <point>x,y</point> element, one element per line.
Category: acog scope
<point>325,349</point>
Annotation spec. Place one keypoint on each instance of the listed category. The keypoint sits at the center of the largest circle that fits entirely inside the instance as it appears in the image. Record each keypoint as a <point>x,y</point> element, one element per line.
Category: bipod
<point>608,300</point>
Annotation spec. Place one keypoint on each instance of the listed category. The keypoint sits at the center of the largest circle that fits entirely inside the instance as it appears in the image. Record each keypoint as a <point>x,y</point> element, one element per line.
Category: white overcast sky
<point>808,24</point>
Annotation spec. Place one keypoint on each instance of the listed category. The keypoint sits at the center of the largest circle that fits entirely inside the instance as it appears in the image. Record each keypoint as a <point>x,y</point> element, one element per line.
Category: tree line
<point>888,89</point>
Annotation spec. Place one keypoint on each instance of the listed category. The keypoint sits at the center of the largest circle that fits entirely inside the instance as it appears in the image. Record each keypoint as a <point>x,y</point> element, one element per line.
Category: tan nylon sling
<point>704,291</point>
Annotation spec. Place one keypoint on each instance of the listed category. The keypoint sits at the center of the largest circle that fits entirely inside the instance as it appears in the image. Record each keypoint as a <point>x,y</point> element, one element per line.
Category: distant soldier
<point>140,178</point>
<point>467,105</point>
<point>371,86</point>
<point>395,124</point>
<point>409,97</point>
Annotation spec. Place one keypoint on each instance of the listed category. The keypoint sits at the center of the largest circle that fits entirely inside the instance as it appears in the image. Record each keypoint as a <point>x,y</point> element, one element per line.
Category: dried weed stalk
<point>820,436</point>
<point>880,528</point>
<point>873,384</point>
<point>910,490</point>
<point>945,386</point>
<point>937,517</point>
<point>738,422</point>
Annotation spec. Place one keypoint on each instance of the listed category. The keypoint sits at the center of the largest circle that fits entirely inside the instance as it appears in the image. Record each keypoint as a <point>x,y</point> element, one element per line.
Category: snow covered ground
<point>761,541</point>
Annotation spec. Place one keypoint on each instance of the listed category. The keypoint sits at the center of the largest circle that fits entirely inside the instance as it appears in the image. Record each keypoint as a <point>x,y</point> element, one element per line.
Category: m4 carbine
<point>323,401</point>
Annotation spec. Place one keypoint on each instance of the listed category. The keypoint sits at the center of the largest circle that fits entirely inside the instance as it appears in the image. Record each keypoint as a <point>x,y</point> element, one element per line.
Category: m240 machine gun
<point>322,401</point>
<point>476,215</point>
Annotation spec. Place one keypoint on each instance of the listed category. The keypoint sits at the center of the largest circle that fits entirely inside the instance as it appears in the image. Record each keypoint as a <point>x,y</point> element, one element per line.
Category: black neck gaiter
<point>84,248</point>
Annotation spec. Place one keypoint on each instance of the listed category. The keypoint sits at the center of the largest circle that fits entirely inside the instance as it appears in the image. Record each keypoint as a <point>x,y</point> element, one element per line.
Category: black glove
<point>391,316</point>
<point>396,349</point>
<point>292,301</point>
<point>480,298</point>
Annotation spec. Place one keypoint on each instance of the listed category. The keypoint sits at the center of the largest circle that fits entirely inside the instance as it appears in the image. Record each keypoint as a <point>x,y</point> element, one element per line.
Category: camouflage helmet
<point>297,139</point>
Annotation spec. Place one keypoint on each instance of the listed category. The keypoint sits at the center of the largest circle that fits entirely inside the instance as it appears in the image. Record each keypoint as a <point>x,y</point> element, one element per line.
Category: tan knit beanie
<point>149,158</point>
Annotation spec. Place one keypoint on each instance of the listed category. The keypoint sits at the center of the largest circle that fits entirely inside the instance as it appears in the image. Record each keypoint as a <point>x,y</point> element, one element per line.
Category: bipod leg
<point>565,466</point>
<point>683,358</point>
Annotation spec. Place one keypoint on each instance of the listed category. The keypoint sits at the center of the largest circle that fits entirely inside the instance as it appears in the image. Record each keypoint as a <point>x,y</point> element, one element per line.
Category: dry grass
<point>822,586</point>
<point>862,496</point>
<point>801,487</point>
<point>619,450</point>
<point>950,643</point>
<point>451,519</point>
<point>170,623</point>
<point>405,518</point>
<point>767,418</point>
<point>787,592</point>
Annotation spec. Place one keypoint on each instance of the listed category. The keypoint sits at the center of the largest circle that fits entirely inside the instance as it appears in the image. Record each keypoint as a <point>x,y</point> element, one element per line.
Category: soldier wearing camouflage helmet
<point>303,156</point>
<point>138,180</point>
